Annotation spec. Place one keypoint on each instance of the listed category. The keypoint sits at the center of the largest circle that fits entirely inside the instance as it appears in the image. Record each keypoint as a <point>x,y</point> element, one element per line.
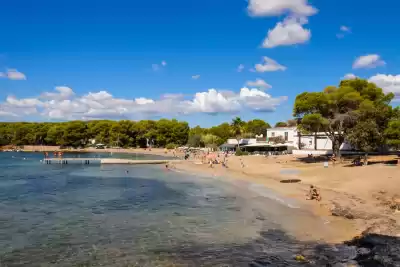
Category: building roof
<point>282,129</point>
<point>228,145</point>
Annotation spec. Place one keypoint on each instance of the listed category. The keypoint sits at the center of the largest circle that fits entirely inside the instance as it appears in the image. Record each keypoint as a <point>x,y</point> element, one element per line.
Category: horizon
<point>201,63</point>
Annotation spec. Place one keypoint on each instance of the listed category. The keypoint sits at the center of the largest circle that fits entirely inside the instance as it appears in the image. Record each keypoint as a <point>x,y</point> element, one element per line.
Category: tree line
<point>124,133</point>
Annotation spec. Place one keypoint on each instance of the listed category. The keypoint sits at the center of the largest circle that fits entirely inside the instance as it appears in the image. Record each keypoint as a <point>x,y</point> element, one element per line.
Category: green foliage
<point>170,146</point>
<point>210,140</point>
<point>392,133</point>
<point>338,111</point>
<point>237,127</point>
<point>241,153</point>
<point>256,127</point>
<point>281,124</point>
<point>195,141</point>
<point>78,133</point>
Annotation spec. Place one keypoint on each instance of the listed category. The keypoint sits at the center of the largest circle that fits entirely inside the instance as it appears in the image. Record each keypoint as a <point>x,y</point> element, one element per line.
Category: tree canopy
<point>125,133</point>
<point>356,110</point>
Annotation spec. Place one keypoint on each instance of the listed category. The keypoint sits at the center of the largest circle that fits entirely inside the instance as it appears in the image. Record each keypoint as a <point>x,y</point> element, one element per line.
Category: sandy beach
<point>355,200</point>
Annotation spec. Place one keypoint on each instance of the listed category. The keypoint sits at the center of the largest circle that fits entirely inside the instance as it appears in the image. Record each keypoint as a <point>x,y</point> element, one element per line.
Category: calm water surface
<point>120,215</point>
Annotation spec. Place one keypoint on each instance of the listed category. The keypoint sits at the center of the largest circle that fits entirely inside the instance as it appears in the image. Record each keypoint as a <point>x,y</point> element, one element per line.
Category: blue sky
<point>76,49</point>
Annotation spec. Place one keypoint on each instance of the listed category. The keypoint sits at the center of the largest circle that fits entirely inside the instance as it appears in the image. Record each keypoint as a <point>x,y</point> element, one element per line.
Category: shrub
<point>241,153</point>
<point>170,146</point>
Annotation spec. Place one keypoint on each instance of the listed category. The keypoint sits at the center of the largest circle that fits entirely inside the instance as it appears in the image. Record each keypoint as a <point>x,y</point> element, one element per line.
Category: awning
<point>228,145</point>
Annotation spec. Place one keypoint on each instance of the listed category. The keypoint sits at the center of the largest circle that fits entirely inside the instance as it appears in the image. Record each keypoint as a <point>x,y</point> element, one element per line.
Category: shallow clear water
<point>121,215</point>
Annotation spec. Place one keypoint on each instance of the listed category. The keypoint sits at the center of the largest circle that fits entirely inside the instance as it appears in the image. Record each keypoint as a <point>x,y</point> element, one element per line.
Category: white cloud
<point>279,7</point>
<point>63,92</point>
<point>368,62</point>
<point>349,76</point>
<point>66,105</point>
<point>288,32</point>
<point>269,65</point>
<point>240,68</point>
<point>195,77</point>
<point>389,83</point>
<point>344,29</point>
<point>163,63</point>
<point>259,83</point>
<point>13,74</point>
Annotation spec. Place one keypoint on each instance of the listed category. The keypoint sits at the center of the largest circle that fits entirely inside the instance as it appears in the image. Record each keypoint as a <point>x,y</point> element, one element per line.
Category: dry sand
<point>362,194</point>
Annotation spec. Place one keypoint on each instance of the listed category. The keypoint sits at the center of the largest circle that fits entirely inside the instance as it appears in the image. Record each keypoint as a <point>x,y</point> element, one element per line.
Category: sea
<point>144,215</point>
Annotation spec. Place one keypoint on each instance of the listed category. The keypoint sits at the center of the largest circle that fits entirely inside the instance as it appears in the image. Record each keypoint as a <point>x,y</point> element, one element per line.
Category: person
<point>55,154</point>
<point>333,158</point>
<point>314,194</point>
<point>211,163</point>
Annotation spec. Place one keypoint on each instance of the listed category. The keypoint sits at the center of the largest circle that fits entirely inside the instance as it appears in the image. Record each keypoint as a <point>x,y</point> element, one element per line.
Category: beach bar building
<point>316,143</point>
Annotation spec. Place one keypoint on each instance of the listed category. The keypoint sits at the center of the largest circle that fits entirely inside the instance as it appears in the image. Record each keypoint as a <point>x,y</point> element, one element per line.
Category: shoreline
<point>351,213</point>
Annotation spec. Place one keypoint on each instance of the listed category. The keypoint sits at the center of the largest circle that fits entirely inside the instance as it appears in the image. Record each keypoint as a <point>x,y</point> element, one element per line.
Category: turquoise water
<point>117,215</point>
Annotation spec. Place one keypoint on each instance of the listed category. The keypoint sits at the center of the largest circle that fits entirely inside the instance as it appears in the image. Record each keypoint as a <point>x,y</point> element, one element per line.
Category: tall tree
<point>237,128</point>
<point>257,127</point>
<point>336,110</point>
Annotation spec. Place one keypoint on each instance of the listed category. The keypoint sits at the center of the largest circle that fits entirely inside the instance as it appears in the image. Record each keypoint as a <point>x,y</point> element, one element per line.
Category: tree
<point>257,127</point>
<point>281,124</point>
<point>223,131</point>
<point>392,133</point>
<point>336,111</point>
<point>291,123</point>
<point>210,140</point>
<point>75,134</point>
<point>195,141</point>
<point>237,128</point>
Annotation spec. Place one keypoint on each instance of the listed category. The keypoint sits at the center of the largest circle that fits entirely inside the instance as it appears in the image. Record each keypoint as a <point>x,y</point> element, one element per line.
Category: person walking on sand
<point>241,163</point>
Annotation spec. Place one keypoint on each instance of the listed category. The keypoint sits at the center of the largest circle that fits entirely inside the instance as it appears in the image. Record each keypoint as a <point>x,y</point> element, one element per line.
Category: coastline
<point>352,206</point>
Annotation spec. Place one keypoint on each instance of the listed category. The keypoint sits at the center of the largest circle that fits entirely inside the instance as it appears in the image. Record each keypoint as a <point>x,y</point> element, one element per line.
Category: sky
<point>204,62</point>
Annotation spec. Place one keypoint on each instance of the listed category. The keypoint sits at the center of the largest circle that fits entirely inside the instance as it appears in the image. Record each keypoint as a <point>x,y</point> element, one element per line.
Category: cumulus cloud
<point>389,83</point>
<point>258,83</point>
<point>288,32</point>
<point>240,68</point>
<point>64,104</point>
<point>368,62</point>
<point>279,7</point>
<point>63,92</point>
<point>195,77</point>
<point>269,65</point>
<point>349,76</point>
<point>13,74</point>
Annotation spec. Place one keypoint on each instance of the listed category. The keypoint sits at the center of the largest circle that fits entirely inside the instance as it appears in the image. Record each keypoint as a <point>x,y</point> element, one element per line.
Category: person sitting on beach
<point>314,194</point>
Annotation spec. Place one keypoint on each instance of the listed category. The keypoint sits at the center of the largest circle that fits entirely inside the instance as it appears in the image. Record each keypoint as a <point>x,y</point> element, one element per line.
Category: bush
<point>241,153</point>
<point>170,146</point>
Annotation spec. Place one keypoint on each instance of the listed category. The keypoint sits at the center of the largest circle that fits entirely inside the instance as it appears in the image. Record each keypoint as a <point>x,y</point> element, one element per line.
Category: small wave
<point>265,192</point>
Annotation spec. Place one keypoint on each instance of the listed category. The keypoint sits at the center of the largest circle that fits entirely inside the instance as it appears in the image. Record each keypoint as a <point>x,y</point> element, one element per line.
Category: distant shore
<point>355,200</point>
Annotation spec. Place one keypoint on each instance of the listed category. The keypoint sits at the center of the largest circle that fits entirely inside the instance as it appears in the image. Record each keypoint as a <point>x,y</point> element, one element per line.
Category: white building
<point>318,141</point>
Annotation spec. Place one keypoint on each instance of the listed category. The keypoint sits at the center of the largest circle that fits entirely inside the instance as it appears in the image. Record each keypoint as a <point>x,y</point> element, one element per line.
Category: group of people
<point>56,154</point>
